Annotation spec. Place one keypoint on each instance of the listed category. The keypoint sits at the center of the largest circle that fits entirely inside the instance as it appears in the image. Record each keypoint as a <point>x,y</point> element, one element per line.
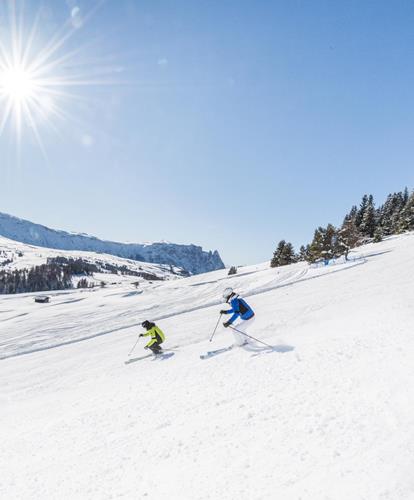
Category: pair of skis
<point>164,354</point>
<point>168,354</point>
<point>210,354</point>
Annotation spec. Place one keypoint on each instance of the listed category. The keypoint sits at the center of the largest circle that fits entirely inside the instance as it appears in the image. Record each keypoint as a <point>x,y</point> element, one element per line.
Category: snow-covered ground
<point>327,414</point>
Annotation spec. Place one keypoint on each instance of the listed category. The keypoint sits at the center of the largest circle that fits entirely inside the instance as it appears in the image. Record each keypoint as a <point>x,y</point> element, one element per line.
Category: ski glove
<point>141,334</point>
<point>223,311</point>
<point>226,324</point>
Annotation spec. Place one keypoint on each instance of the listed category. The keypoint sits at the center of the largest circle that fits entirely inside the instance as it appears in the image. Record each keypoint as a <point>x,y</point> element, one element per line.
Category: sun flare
<point>38,75</point>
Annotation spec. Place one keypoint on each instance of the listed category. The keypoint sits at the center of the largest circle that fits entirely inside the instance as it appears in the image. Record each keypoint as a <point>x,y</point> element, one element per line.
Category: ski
<point>210,354</point>
<point>132,360</point>
<point>164,354</point>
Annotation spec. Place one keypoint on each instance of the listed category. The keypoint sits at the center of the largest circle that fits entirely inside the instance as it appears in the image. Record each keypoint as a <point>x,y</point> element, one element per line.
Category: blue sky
<point>226,124</point>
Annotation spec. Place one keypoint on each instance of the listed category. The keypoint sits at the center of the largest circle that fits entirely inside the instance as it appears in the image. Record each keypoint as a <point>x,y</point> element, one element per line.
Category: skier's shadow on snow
<point>160,357</point>
<point>257,349</point>
<point>164,356</point>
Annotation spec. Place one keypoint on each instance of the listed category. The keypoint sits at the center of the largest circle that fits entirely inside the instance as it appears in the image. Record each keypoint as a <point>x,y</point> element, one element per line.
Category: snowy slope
<point>98,312</point>
<point>327,414</point>
<point>192,258</point>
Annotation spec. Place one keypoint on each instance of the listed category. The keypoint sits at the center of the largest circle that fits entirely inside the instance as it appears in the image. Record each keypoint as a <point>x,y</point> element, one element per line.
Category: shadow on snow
<point>159,357</point>
<point>257,349</point>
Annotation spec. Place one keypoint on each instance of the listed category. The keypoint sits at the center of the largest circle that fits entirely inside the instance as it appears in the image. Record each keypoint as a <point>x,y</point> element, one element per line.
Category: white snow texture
<point>327,414</point>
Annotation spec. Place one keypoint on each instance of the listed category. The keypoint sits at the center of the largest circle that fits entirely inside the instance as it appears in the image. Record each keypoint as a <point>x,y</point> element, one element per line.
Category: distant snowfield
<point>328,414</point>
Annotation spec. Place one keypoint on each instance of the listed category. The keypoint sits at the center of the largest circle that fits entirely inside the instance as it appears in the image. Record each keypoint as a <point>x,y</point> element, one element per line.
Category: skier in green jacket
<point>156,334</point>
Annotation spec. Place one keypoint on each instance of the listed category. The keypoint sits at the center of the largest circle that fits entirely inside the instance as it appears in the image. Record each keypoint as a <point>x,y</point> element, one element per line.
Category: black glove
<point>226,324</point>
<point>141,334</point>
<point>223,311</point>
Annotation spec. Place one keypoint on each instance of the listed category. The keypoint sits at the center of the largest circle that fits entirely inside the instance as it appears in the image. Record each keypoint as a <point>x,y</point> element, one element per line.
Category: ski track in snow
<point>47,338</point>
<point>326,415</point>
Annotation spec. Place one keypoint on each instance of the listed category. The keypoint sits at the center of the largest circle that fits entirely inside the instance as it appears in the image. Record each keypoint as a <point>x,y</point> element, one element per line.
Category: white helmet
<point>227,293</point>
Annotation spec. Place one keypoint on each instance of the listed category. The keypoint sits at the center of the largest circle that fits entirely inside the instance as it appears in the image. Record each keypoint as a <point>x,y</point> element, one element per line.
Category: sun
<point>17,84</point>
<point>40,76</point>
<point>33,88</point>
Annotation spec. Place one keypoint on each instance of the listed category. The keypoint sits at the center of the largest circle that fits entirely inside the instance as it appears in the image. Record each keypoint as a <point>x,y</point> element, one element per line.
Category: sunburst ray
<point>37,80</point>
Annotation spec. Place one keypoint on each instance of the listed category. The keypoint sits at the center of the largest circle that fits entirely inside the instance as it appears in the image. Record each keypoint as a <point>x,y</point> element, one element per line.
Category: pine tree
<point>303,253</point>
<point>283,255</point>
<point>396,216</point>
<point>326,244</point>
<point>83,283</point>
<point>361,212</point>
<point>406,219</point>
<point>289,256</point>
<point>368,223</point>
<point>353,213</point>
<point>349,235</point>
<point>277,253</point>
<point>377,235</point>
<point>406,195</point>
<point>385,215</point>
<point>317,245</point>
<point>232,270</point>
<point>330,243</point>
<point>390,213</point>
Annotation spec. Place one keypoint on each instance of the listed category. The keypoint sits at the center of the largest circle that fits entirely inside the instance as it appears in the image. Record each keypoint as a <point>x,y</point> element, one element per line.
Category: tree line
<point>58,274</point>
<point>363,224</point>
<point>36,279</point>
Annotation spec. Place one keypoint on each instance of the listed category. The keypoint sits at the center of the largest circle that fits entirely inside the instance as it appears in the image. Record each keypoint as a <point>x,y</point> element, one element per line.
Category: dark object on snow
<point>42,299</point>
<point>156,334</point>
<point>147,324</point>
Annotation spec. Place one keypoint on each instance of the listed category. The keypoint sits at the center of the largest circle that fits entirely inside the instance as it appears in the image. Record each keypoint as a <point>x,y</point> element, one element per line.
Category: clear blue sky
<point>236,123</point>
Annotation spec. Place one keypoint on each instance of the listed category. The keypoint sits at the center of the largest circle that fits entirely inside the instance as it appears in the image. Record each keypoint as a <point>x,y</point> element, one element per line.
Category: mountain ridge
<point>190,257</point>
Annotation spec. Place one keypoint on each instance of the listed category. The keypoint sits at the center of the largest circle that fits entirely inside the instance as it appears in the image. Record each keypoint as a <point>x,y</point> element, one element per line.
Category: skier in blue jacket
<point>242,315</point>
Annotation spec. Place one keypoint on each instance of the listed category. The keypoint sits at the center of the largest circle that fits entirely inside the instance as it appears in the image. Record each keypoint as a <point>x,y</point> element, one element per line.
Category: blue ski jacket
<point>239,309</point>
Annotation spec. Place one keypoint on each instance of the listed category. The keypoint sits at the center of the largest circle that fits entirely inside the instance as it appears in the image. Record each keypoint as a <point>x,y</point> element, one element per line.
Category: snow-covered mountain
<point>327,413</point>
<point>192,258</point>
<point>107,269</point>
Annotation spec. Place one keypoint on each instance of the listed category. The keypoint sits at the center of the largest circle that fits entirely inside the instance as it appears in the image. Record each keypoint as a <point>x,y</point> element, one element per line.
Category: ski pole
<point>130,352</point>
<point>257,340</point>
<point>218,321</point>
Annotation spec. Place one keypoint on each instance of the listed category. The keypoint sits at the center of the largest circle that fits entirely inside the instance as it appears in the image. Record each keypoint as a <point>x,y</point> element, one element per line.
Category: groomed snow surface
<point>327,414</point>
